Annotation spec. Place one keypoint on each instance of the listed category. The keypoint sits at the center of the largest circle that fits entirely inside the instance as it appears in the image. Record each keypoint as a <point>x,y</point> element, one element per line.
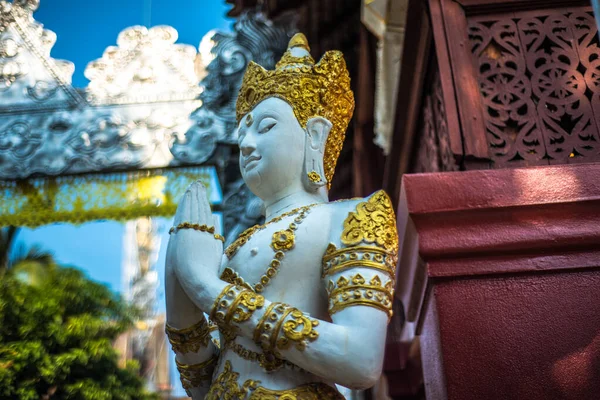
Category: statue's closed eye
<point>266,125</point>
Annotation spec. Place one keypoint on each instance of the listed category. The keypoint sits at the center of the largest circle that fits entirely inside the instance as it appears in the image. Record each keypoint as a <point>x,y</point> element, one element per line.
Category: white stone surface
<point>273,156</point>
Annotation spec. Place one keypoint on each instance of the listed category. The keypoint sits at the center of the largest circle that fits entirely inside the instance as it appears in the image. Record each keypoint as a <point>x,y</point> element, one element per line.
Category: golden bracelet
<point>262,331</point>
<point>197,227</point>
<point>220,303</point>
<point>191,339</point>
<point>193,375</point>
<point>276,332</point>
<point>234,305</point>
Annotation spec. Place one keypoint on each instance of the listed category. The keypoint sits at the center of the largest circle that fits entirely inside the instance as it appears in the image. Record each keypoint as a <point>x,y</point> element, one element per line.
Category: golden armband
<point>234,305</point>
<point>283,326</point>
<point>194,375</point>
<point>370,241</point>
<point>356,291</point>
<point>338,260</point>
<point>191,339</point>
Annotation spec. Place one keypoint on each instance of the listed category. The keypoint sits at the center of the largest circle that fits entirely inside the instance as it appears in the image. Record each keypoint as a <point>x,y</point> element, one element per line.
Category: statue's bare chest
<point>283,258</point>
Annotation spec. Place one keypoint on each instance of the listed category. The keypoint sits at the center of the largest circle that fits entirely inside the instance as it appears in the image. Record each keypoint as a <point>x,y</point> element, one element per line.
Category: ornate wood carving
<point>433,149</point>
<point>538,82</point>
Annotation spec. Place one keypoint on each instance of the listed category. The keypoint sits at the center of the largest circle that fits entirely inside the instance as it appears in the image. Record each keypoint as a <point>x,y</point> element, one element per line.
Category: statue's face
<point>271,145</point>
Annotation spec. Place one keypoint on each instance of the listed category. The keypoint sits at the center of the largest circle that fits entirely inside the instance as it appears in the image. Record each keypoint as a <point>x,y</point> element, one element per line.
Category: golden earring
<point>314,177</point>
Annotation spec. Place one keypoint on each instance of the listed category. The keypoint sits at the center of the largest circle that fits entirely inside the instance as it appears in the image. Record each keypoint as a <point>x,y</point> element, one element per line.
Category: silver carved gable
<point>144,107</point>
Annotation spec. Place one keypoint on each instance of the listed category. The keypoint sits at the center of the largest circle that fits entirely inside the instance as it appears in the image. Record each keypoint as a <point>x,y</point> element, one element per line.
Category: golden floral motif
<point>226,386</point>
<point>247,303</point>
<point>276,331</point>
<point>321,89</point>
<point>314,177</point>
<point>298,330</point>
<point>191,339</point>
<point>283,240</point>
<point>234,304</point>
<point>373,221</point>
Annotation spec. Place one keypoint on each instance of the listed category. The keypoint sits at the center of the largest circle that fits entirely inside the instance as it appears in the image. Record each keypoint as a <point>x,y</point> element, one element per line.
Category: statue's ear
<point>317,129</point>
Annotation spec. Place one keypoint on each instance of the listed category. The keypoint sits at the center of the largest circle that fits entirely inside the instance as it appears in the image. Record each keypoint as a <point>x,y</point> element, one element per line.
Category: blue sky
<point>84,29</point>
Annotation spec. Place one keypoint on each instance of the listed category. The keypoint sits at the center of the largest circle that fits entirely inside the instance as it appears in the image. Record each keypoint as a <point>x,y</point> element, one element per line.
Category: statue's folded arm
<point>189,334</point>
<point>359,279</point>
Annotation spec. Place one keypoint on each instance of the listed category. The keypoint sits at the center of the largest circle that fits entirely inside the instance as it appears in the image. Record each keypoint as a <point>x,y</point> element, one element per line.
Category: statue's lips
<point>251,162</point>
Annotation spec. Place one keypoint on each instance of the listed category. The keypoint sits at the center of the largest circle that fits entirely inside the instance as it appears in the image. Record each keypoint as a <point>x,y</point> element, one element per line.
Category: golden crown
<point>321,89</point>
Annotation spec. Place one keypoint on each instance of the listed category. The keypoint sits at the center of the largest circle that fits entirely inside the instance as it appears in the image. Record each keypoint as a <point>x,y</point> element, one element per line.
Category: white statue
<point>302,302</point>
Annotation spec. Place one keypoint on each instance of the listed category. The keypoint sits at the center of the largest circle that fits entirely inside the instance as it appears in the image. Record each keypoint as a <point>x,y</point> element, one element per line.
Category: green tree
<point>56,333</point>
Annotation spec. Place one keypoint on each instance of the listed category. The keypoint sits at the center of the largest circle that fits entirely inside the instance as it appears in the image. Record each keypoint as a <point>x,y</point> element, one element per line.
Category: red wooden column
<point>504,281</point>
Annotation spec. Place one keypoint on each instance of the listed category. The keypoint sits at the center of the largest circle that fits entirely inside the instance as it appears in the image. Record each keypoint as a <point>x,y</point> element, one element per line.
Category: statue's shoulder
<point>349,215</point>
<point>341,208</point>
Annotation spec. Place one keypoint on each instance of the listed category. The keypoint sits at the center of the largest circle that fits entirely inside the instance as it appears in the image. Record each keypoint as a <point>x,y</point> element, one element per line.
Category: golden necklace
<point>281,242</point>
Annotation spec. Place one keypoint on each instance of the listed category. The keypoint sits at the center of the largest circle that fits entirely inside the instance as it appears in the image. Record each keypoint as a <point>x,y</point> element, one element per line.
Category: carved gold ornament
<point>337,260</point>
<point>267,361</point>
<point>249,120</point>
<point>356,291</point>
<point>235,304</point>
<point>281,326</point>
<point>191,339</point>
<point>230,276</point>
<point>226,386</point>
<point>314,177</point>
<point>197,227</point>
<point>373,221</point>
<point>321,89</point>
<point>281,242</point>
<point>298,330</point>
<point>194,375</point>
<point>245,236</point>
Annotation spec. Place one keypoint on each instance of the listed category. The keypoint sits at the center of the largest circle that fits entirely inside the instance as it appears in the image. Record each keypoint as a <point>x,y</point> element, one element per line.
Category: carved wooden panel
<point>538,74</point>
<point>433,141</point>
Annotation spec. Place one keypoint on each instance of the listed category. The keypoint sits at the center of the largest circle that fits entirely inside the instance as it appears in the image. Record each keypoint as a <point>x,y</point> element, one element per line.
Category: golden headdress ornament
<point>321,89</point>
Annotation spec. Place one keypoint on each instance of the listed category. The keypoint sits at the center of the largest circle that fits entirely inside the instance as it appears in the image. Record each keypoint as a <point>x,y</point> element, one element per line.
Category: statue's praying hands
<point>302,302</point>
<point>195,248</point>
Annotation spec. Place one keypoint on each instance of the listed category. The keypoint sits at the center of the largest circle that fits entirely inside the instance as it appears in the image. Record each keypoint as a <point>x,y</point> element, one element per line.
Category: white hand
<point>194,256</point>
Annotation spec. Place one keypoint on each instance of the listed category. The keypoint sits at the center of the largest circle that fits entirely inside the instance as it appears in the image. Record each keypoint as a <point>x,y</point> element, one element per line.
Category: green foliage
<point>56,335</point>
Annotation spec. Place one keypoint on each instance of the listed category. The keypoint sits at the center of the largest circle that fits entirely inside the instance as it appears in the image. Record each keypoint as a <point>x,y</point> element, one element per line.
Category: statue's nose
<point>247,146</point>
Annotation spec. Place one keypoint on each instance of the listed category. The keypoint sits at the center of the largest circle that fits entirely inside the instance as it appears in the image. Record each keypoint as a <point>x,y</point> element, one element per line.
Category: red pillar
<point>502,276</point>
